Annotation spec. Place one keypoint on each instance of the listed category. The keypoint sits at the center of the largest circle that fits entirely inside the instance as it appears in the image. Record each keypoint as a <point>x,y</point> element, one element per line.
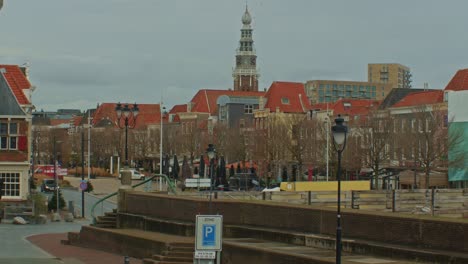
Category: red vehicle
<point>49,171</point>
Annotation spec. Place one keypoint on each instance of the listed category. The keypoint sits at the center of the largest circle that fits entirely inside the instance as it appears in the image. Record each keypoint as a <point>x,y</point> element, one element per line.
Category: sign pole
<point>208,239</point>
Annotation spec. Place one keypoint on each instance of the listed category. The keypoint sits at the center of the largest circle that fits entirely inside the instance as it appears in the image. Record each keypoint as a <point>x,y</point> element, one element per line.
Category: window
<point>285,100</point>
<point>248,109</point>
<point>8,135</point>
<point>11,186</point>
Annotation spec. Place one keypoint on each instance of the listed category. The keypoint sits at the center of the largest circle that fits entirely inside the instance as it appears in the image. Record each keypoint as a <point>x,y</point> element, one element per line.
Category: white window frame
<point>9,136</point>
<point>11,184</point>
<point>248,109</point>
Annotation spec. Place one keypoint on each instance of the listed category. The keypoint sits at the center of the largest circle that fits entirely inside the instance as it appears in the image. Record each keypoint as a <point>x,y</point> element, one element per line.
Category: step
<point>180,244</point>
<point>105,222</point>
<point>105,225</point>
<point>149,261</point>
<point>152,261</point>
<point>174,253</point>
<point>181,248</point>
<point>167,258</point>
<point>112,214</point>
<point>107,218</point>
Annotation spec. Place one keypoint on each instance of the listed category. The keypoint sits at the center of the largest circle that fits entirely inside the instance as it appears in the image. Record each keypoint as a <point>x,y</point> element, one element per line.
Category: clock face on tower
<point>245,61</point>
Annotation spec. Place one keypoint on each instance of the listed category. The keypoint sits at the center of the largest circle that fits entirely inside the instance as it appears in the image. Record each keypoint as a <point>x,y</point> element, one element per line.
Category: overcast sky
<point>86,52</point>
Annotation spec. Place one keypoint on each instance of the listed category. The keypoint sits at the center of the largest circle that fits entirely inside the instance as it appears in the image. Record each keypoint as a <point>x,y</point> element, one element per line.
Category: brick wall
<point>419,231</point>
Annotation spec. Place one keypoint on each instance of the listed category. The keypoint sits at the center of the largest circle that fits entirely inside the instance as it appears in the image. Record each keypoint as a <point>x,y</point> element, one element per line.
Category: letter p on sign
<point>209,235</point>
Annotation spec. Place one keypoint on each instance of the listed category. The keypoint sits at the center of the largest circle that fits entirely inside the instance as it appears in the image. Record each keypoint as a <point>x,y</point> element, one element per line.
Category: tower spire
<point>245,73</point>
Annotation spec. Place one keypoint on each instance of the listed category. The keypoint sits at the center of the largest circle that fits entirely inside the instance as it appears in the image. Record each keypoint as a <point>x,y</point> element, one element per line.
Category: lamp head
<point>135,110</point>
<point>118,109</point>
<point>339,131</point>
<point>211,151</point>
<point>126,110</point>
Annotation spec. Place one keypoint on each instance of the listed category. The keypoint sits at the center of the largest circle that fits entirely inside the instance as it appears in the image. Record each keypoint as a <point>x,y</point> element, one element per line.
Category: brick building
<point>15,132</point>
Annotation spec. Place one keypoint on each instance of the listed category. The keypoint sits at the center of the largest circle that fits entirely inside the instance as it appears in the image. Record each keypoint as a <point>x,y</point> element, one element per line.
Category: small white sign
<point>194,183</point>
<point>205,254</point>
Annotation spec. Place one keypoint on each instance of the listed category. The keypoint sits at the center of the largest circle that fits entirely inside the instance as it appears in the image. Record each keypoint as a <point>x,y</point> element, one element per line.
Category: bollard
<point>126,260</point>
<point>71,208</point>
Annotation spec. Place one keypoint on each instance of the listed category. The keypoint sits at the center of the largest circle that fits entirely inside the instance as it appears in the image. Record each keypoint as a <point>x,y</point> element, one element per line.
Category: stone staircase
<point>175,253</point>
<point>109,220</point>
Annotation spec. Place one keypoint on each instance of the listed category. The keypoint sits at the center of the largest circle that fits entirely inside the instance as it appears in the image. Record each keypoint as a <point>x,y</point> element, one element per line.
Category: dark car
<point>48,185</point>
<point>243,182</point>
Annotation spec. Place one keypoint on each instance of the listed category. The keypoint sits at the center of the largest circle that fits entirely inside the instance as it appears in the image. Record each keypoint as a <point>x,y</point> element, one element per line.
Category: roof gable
<point>148,114</point>
<point>182,108</point>
<point>459,81</point>
<point>357,107</point>
<point>421,98</point>
<point>17,82</point>
<point>9,104</point>
<point>287,97</point>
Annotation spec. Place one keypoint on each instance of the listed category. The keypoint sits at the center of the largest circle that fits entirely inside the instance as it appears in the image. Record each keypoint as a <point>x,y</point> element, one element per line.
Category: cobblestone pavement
<point>51,244</point>
<point>40,244</point>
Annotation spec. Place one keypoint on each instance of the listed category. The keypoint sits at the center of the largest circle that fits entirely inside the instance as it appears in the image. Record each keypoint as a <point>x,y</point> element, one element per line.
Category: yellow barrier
<point>325,186</point>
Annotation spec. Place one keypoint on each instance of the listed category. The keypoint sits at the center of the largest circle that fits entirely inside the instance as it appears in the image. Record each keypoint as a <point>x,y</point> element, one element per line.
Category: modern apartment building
<point>322,91</point>
<point>394,74</point>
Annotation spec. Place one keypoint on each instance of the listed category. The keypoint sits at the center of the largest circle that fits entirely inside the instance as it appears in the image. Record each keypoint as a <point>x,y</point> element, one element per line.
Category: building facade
<point>237,111</point>
<point>245,73</point>
<point>327,91</point>
<point>394,74</point>
<point>15,132</point>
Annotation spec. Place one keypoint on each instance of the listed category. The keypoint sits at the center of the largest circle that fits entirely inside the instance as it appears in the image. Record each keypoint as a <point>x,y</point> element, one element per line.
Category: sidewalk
<point>74,255</point>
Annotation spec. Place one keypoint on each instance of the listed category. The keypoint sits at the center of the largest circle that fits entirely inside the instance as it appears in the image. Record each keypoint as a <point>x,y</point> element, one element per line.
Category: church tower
<point>245,73</point>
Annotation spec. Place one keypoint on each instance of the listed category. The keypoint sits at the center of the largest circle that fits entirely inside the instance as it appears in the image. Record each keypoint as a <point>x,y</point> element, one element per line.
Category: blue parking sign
<point>209,235</point>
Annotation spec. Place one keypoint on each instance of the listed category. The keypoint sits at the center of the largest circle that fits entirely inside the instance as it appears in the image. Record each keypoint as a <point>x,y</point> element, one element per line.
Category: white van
<point>136,175</point>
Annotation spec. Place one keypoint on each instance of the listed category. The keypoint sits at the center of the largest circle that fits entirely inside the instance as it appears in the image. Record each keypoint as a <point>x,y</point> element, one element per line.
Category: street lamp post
<point>129,115</point>
<point>211,152</point>
<point>55,174</point>
<point>327,122</point>
<point>339,135</point>
<point>162,110</point>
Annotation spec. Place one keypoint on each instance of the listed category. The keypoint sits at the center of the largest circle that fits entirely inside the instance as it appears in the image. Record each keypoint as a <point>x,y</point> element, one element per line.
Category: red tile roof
<point>17,82</point>
<point>421,98</point>
<point>77,120</point>
<point>292,92</point>
<point>459,81</point>
<point>354,107</point>
<point>204,100</point>
<point>322,106</point>
<point>56,122</point>
<point>182,108</point>
<point>148,114</point>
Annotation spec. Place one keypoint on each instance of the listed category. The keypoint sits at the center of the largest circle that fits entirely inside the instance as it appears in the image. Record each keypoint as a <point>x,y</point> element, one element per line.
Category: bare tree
<point>376,134</point>
<point>430,140</point>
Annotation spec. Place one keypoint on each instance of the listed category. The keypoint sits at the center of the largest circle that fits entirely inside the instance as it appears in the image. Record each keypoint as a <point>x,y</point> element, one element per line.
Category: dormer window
<point>285,100</point>
<point>347,106</point>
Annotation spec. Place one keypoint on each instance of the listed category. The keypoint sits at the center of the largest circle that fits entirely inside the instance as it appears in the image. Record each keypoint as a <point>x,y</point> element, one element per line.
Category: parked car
<point>136,175</point>
<point>243,182</point>
<point>48,185</point>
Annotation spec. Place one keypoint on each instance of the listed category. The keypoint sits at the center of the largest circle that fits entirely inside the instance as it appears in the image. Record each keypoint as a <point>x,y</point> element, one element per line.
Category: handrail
<point>170,184</point>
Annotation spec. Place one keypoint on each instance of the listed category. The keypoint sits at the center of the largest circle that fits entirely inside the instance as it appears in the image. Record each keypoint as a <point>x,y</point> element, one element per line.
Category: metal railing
<point>170,184</point>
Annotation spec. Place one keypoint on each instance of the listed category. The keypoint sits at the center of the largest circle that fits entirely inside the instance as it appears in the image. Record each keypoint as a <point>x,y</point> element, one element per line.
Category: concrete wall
<point>418,231</point>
